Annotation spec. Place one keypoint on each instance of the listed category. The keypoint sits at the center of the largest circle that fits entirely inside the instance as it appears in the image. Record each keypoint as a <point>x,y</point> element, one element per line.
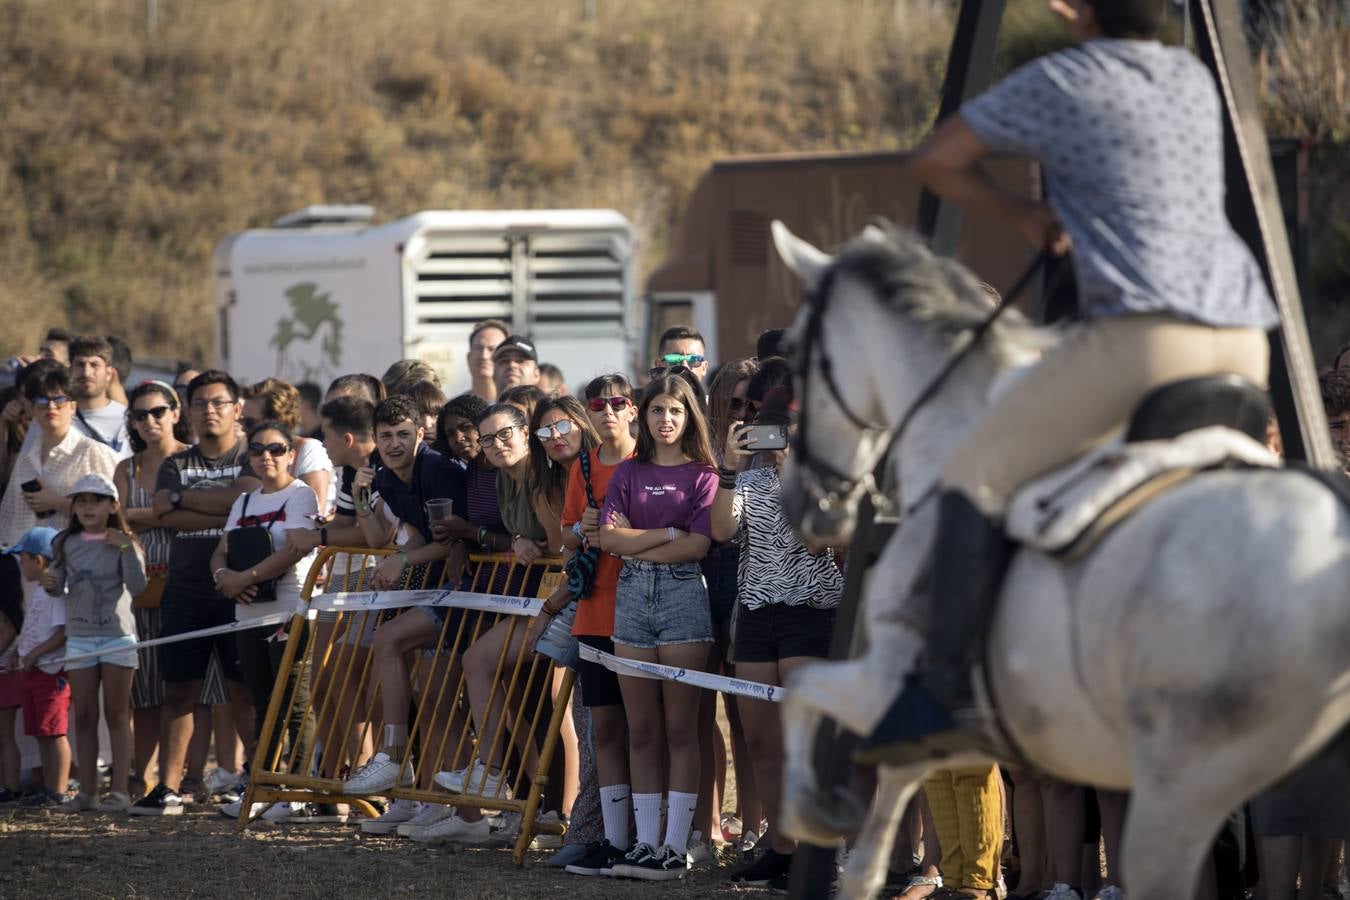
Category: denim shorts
<point>118,650</point>
<point>661,603</point>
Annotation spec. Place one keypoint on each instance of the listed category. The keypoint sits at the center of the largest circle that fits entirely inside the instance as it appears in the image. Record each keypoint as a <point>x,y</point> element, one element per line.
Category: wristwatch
<point>176,499</point>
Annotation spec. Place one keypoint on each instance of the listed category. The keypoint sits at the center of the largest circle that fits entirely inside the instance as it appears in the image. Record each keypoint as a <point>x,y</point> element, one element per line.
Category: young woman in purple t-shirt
<point>656,516</point>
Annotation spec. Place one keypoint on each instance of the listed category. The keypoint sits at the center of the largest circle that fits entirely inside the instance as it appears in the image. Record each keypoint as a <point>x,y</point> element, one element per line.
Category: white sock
<point>679,818</point>
<point>614,810</point>
<point>647,814</point>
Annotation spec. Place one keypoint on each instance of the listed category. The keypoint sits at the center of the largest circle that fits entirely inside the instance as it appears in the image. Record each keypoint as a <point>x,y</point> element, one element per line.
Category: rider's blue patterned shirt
<point>1129,136</point>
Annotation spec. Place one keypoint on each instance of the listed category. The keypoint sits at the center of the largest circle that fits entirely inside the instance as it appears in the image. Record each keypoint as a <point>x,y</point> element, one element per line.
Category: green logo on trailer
<point>313,316</point>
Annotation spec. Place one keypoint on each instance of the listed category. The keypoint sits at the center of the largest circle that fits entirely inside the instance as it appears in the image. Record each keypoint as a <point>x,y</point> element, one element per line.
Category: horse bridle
<point>826,486</point>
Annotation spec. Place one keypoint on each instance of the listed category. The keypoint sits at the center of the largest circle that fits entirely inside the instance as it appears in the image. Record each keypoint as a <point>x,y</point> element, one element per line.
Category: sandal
<point>917,880</point>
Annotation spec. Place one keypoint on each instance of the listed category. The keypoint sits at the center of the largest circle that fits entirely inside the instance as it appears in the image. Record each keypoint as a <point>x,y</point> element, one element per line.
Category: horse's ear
<point>805,261</point>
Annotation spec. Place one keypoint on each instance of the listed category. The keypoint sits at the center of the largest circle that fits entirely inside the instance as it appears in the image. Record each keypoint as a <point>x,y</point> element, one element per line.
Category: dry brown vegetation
<point>127,154</point>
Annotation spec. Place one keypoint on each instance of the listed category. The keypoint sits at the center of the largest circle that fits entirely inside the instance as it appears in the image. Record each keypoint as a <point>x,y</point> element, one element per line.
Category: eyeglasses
<point>615,403</point>
<point>562,426</point>
<point>57,402</point>
<point>497,437</point>
<point>140,415</point>
<point>217,404</point>
<point>274,449</point>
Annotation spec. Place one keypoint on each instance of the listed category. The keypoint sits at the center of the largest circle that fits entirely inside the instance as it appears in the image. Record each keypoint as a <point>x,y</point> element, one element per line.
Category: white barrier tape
<point>706,680</point>
<point>356,601</point>
<point>269,620</point>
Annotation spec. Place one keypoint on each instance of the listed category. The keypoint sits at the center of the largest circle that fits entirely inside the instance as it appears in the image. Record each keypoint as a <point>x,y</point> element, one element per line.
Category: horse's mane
<point>936,292</point>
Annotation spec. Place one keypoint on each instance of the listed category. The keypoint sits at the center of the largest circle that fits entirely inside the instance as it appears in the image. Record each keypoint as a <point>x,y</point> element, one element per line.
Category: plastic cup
<point>438,510</point>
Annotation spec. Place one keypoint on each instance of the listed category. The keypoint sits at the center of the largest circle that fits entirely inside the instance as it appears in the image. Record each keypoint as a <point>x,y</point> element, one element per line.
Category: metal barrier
<point>330,654</point>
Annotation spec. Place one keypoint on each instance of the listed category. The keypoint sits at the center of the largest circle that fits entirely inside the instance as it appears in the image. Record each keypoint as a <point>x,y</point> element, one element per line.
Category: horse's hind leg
<point>1174,815</point>
<point>867,864</point>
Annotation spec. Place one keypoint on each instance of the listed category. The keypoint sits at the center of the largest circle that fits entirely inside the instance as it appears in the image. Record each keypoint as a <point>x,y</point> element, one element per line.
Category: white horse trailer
<point>324,292</point>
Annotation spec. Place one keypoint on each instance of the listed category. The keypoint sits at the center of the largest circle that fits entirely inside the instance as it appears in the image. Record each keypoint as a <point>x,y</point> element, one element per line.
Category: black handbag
<point>580,568</point>
<point>246,547</point>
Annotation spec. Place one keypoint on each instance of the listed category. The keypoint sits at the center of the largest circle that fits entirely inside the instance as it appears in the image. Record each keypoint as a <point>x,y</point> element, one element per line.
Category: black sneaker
<point>41,799</point>
<point>600,856</point>
<point>769,866</point>
<point>778,884</point>
<point>7,796</point>
<point>159,802</point>
<point>666,864</point>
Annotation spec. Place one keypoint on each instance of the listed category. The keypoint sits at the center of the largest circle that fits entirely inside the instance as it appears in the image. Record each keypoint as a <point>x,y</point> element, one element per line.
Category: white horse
<point>1194,658</point>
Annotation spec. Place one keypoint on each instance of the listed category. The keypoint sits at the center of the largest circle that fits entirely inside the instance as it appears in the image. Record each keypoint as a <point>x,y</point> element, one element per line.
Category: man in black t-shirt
<point>193,496</point>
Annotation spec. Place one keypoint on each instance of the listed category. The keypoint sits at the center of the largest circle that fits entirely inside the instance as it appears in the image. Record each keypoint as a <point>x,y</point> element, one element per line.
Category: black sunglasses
<point>276,448</point>
<point>140,415</point>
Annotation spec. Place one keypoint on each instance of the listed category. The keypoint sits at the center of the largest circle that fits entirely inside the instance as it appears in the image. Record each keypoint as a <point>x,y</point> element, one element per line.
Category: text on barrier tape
<point>706,680</point>
<point>356,601</point>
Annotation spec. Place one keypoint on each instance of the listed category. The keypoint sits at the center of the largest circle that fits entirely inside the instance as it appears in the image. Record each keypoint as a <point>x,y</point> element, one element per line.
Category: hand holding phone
<point>765,437</point>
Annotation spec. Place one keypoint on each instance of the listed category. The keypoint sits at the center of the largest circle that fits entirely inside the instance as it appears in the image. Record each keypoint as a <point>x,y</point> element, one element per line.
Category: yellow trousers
<point>967,807</point>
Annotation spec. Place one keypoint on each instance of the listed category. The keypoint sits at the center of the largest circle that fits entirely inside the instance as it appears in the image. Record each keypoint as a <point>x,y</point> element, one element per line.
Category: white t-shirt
<point>45,614</point>
<point>110,423</point>
<point>279,512</point>
<point>311,457</point>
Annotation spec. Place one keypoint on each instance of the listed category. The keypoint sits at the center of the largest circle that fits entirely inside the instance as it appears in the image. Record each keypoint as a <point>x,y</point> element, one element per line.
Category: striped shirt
<point>775,566</point>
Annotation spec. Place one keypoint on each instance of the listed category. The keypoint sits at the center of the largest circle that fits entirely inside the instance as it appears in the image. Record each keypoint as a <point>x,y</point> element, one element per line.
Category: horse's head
<point>830,469</point>
<point>880,324</point>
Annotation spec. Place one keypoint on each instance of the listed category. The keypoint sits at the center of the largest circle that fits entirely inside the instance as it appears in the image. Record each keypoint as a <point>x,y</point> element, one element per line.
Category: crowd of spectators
<point>128,513</point>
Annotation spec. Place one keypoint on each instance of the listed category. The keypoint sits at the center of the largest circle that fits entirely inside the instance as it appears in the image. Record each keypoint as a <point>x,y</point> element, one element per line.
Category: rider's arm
<point>947,162</point>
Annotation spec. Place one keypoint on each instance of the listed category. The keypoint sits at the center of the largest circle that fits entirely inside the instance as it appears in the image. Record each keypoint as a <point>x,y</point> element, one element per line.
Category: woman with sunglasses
<point>656,515</point>
<point>274,400</point>
<point>157,430</point>
<point>530,499</point>
<point>283,502</point>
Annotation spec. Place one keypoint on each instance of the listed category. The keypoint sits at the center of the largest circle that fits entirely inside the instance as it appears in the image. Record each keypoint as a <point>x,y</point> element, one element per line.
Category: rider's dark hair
<point>1136,19</point>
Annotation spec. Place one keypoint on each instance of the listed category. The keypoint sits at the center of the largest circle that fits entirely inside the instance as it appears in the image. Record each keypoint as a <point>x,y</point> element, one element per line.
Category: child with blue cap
<point>33,671</point>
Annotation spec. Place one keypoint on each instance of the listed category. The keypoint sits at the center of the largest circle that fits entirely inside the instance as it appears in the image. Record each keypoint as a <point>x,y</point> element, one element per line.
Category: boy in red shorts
<point>40,648</point>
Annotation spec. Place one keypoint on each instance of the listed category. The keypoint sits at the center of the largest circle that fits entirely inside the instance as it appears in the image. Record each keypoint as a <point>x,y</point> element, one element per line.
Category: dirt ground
<point>47,854</point>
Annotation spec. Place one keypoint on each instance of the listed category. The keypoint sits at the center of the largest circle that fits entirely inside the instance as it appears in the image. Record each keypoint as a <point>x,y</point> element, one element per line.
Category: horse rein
<point>827,486</point>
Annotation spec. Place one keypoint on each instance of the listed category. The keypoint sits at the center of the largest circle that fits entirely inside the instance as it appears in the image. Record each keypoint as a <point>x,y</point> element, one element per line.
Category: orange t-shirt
<point>595,614</point>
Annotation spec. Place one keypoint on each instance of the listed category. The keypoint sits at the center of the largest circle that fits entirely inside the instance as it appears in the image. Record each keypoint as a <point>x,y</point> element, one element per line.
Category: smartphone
<point>766,437</point>
<point>31,487</point>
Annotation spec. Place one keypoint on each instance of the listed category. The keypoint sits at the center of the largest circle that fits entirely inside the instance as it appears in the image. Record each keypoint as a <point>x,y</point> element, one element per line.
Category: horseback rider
<point>1128,134</point>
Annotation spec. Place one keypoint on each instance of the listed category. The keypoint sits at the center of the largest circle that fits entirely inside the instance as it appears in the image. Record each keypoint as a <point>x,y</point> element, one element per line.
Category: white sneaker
<point>280,813</point>
<point>481,782</point>
<point>379,775</point>
<point>454,830</point>
<point>231,809</point>
<point>219,780</point>
<point>428,815</point>
<point>115,803</point>
<point>399,812</point>
<point>698,852</point>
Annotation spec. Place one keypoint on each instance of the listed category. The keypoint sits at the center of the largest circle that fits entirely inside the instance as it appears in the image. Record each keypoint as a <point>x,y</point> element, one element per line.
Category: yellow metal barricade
<point>327,688</point>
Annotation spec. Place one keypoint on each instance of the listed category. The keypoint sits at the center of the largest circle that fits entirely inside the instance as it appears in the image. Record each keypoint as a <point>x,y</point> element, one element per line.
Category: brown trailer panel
<point>722,244</point>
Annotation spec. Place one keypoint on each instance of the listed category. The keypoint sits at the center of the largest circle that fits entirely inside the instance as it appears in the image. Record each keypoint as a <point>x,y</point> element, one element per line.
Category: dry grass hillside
<point>126,154</point>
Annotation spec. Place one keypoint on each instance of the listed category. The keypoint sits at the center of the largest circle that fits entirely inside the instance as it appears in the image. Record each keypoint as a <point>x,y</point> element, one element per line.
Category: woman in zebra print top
<point>785,614</point>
